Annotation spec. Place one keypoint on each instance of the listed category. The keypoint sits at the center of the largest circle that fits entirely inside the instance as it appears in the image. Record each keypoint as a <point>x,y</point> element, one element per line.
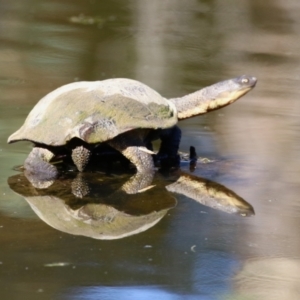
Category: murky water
<point>190,251</point>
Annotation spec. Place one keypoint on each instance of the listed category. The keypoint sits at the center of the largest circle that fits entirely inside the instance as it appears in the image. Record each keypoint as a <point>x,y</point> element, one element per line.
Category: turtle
<point>121,113</point>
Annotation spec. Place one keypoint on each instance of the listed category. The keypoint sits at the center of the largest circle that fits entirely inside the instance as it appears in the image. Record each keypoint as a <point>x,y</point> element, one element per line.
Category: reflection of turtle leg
<point>140,156</point>
<point>79,186</point>
<point>37,165</point>
<point>138,183</point>
<point>81,156</point>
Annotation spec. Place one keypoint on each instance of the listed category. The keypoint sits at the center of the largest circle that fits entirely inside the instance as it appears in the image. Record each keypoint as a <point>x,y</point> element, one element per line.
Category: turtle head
<point>226,92</point>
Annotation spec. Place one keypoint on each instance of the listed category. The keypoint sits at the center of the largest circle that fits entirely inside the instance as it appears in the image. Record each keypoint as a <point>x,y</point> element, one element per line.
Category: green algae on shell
<point>95,112</point>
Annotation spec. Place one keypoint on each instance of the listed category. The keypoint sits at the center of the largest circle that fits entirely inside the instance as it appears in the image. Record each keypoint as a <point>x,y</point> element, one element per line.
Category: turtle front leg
<point>133,148</point>
<point>140,156</point>
<point>143,161</point>
<point>38,169</point>
<point>167,156</point>
<point>81,157</point>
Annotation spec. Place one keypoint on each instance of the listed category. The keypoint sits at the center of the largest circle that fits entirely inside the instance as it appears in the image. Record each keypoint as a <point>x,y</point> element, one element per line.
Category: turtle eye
<point>245,80</point>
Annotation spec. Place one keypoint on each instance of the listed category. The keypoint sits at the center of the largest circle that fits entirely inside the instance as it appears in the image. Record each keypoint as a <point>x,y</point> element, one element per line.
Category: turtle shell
<point>95,112</point>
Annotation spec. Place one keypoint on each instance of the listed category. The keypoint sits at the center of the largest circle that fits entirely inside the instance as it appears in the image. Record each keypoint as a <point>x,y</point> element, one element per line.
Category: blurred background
<point>176,47</point>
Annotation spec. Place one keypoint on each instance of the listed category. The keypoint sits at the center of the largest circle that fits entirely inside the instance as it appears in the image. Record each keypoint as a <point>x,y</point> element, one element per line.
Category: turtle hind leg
<point>81,156</point>
<point>38,168</point>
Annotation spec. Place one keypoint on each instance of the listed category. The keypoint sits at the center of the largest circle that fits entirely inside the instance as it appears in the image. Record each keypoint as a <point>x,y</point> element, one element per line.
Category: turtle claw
<point>146,150</point>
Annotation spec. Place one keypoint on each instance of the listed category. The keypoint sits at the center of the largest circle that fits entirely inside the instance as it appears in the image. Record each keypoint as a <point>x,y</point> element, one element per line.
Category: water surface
<point>193,252</point>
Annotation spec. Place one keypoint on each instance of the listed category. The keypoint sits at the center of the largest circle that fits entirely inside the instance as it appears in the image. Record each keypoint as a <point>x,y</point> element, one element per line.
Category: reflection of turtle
<point>108,212</point>
<point>122,113</point>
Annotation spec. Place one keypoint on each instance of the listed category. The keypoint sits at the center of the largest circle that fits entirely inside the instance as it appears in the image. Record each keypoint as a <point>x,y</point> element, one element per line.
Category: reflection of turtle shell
<point>99,221</point>
<point>95,112</point>
<point>107,213</point>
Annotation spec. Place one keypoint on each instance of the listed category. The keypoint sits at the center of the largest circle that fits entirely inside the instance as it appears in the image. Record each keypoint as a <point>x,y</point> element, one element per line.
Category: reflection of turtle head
<point>211,194</point>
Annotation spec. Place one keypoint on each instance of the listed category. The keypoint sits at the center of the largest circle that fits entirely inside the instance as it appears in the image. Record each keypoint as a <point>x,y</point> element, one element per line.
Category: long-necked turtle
<point>120,112</point>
